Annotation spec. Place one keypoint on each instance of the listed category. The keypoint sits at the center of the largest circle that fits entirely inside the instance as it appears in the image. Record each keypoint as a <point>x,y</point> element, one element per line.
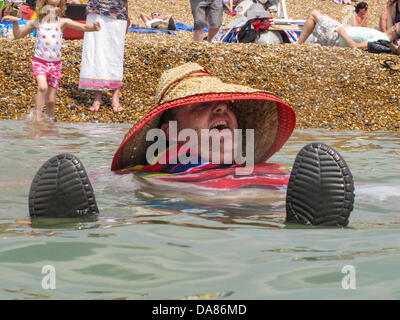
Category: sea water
<point>151,244</point>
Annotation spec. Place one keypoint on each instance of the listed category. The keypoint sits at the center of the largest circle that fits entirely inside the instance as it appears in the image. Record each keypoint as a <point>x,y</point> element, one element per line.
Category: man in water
<point>198,124</point>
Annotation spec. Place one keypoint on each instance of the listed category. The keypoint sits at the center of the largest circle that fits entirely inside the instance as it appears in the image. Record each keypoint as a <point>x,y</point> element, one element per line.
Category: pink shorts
<point>50,69</point>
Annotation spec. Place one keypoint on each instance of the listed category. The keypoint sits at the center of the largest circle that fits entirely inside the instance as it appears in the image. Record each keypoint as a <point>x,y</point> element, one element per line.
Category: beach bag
<point>251,29</point>
<point>380,46</point>
<point>261,24</point>
<point>247,33</point>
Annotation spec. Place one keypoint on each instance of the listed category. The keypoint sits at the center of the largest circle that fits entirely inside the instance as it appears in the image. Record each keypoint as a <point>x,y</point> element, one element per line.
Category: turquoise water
<point>152,244</point>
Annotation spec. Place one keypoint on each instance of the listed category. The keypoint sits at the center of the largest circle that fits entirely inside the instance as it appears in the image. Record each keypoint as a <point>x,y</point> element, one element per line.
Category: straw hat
<point>272,119</point>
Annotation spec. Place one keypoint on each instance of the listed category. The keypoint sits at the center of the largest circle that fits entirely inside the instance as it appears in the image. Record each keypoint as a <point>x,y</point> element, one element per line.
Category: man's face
<point>155,15</point>
<point>215,119</point>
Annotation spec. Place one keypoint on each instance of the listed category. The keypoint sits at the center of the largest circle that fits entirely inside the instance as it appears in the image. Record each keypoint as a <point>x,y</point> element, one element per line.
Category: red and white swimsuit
<point>47,56</point>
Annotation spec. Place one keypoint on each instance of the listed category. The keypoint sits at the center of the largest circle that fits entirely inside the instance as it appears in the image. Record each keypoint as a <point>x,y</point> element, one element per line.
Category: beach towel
<point>292,35</point>
<point>228,35</point>
<point>103,54</point>
<point>149,30</point>
<point>183,27</point>
<point>179,27</point>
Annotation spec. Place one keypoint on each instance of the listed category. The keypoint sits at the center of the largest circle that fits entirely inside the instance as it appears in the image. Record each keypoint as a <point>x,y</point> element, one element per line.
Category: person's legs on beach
<point>211,33</point>
<point>40,99</point>
<point>214,18</point>
<point>115,101</point>
<point>199,18</point>
<point>97,101</point>
<point>198,34</point>
<point>53,82</point>
<point>309,26</point>
<point>51,101</point>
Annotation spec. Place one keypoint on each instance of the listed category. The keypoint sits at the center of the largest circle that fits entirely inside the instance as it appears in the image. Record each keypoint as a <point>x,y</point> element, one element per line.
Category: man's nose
<point>220,107</point>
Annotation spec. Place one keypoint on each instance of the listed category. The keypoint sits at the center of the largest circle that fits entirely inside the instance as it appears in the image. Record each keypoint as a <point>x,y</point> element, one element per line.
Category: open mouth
<point>220,125</point>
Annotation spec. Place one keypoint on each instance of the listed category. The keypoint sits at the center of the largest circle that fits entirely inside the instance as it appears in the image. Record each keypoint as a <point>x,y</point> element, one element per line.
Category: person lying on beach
<point>360,16</point>
<point>156,21</point>
<point>203,126</point>
<point>46,63</point>
<point>330,32</point>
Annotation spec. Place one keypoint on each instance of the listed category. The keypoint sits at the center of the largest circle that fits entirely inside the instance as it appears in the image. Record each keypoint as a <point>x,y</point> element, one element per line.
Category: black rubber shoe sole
<point>320,189</point>
<point>61,188</point>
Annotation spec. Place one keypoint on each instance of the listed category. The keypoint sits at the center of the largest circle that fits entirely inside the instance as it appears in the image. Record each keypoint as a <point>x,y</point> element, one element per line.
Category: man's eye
<point>201,105</point>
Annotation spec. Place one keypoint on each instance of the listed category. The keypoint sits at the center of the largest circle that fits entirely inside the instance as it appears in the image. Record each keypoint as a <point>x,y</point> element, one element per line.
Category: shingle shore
<point>336,88</point>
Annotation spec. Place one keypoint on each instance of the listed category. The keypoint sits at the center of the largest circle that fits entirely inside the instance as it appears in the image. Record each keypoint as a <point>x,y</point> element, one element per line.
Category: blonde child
<point>46,64</point>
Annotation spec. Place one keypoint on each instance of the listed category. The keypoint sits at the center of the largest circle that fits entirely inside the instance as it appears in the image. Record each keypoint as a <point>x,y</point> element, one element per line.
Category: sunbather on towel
<point>330,32</point>
<point>155,21</point>
<point>342,1</point>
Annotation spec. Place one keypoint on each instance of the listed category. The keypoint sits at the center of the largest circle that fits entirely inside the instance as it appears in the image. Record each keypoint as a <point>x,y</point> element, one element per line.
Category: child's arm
<point>17,31</point>
<point>69,23</point>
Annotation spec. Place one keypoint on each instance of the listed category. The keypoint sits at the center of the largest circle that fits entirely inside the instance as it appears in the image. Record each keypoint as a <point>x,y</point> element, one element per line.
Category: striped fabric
<point>292,35</point>
<point>208,175</point>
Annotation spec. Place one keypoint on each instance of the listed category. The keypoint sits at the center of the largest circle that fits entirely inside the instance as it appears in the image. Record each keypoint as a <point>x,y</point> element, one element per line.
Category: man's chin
<point>222,157</point>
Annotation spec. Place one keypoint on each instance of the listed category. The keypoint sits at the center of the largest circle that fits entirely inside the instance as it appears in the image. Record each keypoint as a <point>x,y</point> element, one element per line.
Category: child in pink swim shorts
<point>46,64</point>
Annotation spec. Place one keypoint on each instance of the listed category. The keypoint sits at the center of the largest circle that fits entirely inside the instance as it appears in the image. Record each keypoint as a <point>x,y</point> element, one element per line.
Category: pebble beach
<point>329,87</point>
